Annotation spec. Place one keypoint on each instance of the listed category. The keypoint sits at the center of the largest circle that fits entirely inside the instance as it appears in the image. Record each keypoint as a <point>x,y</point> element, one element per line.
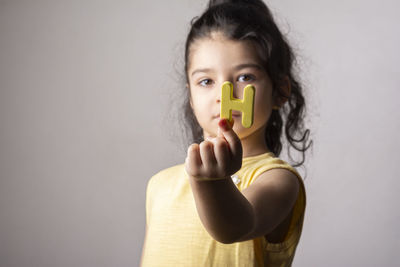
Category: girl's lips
<point>234,114</point>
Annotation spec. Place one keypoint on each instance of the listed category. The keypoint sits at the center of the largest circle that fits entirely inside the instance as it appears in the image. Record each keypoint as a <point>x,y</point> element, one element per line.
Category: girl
<point>233,202</point>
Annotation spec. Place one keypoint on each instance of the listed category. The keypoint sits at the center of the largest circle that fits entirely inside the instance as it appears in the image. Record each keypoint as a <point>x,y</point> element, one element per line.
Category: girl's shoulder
<point>266,161</point>
<point>169,173</point>
<point>176,169</point>
<point>253,167</point>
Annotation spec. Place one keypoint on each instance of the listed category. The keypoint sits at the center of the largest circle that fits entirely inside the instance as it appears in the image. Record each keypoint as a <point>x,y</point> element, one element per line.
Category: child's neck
<point>254,144</point>
<point>253,149</point>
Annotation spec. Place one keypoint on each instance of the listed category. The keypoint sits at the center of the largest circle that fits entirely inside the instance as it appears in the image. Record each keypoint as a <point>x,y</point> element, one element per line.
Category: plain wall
<point>84,89</point>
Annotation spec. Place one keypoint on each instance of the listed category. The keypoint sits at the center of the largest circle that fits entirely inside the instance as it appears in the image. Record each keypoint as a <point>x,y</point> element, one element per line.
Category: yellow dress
<point>176,236</point>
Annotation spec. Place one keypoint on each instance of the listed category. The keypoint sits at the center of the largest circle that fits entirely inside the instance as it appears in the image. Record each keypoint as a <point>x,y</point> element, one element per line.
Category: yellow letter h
<point>229,103</point>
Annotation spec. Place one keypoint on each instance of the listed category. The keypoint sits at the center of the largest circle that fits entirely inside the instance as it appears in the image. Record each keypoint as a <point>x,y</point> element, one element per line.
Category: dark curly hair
<point>252,20</point>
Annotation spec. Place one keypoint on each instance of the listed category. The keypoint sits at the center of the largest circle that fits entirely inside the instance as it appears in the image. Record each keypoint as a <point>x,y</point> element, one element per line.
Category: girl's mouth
<point>234,114</point>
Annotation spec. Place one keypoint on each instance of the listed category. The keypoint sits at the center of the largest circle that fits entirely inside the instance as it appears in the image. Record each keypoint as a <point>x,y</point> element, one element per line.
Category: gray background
<point>84,89</point>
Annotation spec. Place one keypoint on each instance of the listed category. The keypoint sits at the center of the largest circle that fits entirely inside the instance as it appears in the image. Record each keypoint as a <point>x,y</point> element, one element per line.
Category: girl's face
<point>216,60</point>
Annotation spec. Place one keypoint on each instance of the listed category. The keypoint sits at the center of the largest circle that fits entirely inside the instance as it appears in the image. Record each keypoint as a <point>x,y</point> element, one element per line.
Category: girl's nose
<point>218,93</point>
<point>235,93</point>
<point>218,96</point>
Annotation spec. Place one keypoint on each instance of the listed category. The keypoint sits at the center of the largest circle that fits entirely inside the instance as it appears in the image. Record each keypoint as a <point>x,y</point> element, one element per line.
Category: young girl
<point>233,202</point>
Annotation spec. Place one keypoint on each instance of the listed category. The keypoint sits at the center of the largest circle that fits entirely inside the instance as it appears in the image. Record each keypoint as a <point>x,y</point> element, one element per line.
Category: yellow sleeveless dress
<point>176,236</point>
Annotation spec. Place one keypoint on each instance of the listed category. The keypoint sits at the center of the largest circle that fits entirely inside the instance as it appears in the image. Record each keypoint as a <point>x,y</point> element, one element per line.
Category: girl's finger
<point>207,154</point>
<point>193,160</point>
<point>222,154</point>
<point>231,137</point>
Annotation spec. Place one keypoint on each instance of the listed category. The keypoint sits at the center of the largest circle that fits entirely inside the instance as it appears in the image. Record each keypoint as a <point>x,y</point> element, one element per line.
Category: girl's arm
<point>232,216</point>
<point>224,211</point>
<point>228,214</point>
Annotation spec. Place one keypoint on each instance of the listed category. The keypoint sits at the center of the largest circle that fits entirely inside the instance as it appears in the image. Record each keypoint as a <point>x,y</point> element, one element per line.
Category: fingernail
<point>224,124</point>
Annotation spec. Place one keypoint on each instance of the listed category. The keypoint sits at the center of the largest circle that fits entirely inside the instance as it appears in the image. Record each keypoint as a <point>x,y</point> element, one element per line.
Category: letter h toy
<point>245,105</point>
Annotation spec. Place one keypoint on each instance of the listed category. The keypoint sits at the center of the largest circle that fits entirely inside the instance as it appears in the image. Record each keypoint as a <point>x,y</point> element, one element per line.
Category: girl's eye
<point>205,82</point>
<point>246,78</point>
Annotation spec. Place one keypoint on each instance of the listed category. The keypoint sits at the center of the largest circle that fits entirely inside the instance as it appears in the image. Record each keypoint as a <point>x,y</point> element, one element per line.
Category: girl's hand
<point>218,157</point>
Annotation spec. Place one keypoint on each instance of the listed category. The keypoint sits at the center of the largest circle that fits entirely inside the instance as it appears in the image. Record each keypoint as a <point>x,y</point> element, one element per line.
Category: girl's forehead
<point>209,50</point>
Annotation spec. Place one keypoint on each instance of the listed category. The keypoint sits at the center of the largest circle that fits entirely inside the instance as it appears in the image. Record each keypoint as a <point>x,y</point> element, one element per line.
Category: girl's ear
<point>286,90</point>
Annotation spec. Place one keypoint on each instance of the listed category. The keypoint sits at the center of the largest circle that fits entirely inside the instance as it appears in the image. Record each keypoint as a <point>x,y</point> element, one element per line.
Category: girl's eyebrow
<point>238,67</point>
